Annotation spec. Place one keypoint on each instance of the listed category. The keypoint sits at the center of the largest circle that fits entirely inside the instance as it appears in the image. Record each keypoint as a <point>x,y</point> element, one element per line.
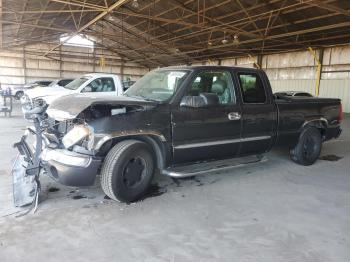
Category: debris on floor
<point>330,158</point>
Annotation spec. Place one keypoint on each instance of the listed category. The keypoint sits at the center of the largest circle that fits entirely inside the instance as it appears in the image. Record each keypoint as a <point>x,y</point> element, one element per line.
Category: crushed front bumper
<point>70,168</point>
<point>64,166</point>
<point>25,174</point>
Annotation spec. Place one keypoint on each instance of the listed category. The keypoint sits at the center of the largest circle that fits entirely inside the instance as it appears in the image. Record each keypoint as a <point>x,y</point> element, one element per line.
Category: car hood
<point>70,106</point>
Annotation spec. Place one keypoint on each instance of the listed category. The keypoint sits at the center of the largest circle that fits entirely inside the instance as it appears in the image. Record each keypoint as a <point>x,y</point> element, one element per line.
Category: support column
<point>24,65</point>
<point>94,60</point>
<point>319,60</point>
<point>61,67</point>
<point>259,61</point>
<point>122,70</point>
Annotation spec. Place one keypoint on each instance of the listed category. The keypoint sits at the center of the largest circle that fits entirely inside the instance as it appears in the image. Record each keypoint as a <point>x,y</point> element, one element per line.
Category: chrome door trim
<point>222,142</point>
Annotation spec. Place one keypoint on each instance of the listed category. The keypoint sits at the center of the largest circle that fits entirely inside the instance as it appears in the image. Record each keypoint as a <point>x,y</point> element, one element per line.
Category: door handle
<point>234,116</point>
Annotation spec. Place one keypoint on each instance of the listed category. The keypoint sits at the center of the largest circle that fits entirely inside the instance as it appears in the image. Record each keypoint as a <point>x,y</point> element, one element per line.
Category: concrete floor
<point>272,211</point>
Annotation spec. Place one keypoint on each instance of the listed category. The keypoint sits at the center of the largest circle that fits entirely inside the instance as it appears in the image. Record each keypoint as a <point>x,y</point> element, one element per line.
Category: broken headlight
<point>76,135</point>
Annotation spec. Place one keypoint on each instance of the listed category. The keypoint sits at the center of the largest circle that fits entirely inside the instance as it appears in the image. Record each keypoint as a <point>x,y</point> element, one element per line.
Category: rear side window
<point>252,88</point>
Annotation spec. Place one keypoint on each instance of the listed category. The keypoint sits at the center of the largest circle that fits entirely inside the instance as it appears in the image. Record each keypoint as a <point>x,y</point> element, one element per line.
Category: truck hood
<point>70,106</point>
<point>48,93</point>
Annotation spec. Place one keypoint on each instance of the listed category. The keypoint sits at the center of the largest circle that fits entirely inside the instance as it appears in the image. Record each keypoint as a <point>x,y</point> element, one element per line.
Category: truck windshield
<point>158,85</point>
<point>75,84</point>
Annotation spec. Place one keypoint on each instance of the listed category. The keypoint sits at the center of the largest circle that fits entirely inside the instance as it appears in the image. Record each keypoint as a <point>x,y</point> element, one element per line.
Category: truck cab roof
<point>213,67</point>
<point>101,75</point>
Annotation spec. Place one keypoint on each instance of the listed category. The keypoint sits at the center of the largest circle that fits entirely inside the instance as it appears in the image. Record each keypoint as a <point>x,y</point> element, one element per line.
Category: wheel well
<point>319,124</point>
<point>153,141</point>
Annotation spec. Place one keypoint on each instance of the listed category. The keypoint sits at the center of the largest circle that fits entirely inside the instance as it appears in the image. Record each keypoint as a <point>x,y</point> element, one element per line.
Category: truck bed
<point>295,112</point>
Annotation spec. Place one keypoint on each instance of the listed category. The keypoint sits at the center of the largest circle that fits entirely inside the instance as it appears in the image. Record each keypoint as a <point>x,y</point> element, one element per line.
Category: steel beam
<point>116,5</point>
<point>329,7</point>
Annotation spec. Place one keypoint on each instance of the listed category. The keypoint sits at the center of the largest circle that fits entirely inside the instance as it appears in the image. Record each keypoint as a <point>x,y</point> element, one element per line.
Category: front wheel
<point>308,149</point>
<point>127,171</point>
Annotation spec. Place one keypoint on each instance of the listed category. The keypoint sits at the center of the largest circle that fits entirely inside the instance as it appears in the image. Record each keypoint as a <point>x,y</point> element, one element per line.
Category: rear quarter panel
<point>296,113</point>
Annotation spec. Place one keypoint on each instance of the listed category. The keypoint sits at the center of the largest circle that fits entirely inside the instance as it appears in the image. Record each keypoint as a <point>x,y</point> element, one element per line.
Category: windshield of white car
<point>158,85</point>
<point>75,84</point>
<point>53,83</point>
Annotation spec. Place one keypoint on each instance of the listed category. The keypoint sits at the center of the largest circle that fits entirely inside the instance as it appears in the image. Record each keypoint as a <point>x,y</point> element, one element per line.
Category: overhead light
<point>110,18</point>
<point>175,50</point>
<point>224,41</point>
<point>135,4</point>
<point>210,43</point>
<point>236,40</point>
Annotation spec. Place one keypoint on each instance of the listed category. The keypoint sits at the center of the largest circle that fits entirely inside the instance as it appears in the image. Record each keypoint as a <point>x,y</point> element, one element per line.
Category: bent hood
<point>70,106</point>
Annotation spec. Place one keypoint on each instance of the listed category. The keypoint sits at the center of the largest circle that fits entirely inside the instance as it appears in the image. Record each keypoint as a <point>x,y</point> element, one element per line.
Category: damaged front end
<point>60,149</point>
<point>70,140</point>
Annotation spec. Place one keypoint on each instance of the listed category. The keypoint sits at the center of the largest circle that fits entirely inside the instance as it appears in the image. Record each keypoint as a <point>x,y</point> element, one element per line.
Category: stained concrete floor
<point>272,211</point>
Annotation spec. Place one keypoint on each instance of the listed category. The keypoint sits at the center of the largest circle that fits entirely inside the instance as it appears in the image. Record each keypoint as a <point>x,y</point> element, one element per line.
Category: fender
<point>317,122</point>
<point>153,138</point>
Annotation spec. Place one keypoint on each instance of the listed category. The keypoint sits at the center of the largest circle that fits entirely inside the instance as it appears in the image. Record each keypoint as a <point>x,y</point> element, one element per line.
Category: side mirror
<point>87,89</point>
<point>203,100</point>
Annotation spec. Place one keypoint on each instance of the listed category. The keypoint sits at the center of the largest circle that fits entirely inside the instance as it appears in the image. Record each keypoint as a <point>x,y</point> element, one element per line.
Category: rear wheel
<point>308,149</point>
<point>127,171</point>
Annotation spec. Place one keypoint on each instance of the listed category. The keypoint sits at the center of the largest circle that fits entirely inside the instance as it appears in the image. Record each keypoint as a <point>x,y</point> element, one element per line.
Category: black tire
<point>127,171</point>
<point>308,149</point>
<point>18,95</point>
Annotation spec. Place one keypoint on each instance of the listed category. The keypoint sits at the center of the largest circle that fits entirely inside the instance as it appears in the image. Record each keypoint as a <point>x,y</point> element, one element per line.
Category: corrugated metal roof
<point>159,33</point>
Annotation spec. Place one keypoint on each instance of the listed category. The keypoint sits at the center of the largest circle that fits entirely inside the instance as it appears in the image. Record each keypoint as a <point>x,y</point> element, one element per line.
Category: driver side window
<point>214,82</point>
<point>100,85</point>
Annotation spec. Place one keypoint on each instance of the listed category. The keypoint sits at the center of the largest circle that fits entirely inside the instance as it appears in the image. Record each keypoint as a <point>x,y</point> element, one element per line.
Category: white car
<point>96,83</point>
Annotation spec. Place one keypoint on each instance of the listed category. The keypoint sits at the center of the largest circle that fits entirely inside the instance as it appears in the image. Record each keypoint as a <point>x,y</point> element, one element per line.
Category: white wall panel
<point>11,80</point>
<point>294,85</point>
<point>228,62</point>
<point>75,61</point>
<point>6,71</point>
<point>339,88</point>
<point>41,74</point>
<point>11,62</point>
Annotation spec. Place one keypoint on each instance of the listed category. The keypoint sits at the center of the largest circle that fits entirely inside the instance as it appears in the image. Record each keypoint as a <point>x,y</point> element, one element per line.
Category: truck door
<point>207,132</point>
<point>259,115</point>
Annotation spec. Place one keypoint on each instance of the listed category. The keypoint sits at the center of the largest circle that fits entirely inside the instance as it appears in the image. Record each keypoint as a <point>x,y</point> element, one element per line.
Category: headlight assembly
<point>74,136</point>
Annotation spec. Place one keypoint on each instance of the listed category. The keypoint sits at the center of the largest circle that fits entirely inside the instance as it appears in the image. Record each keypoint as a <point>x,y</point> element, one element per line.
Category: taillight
<point>341,114</point>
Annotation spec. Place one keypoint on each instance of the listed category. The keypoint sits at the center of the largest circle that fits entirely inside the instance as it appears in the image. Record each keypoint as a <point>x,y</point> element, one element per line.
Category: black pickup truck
<point>182,121</point>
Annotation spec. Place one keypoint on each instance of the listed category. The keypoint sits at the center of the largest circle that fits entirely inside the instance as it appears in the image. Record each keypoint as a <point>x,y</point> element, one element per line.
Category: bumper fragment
<point>70,168</point>
<point>24,186</point>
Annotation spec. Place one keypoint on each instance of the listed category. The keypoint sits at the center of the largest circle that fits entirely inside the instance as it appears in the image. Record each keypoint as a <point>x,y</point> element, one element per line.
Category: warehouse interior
<point>274,212</point>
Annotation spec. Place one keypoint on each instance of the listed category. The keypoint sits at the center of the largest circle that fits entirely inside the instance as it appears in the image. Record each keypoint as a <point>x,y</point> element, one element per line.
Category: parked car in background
<point>90,83</point>
<point>182,121</point>
<point>18,91</point>
<point>293,93</point>
<point>61,82</point>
